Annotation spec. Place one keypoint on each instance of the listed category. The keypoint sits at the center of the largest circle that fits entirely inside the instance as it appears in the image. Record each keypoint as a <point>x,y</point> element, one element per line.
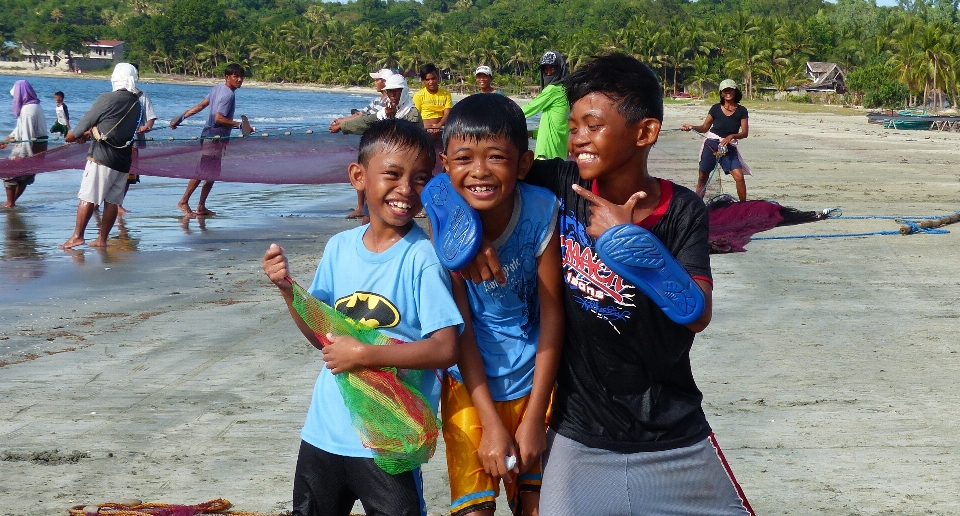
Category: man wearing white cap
<point>380,80</point>
<point>111,123</point>
<point>484,76</point>
<point>398,104</point>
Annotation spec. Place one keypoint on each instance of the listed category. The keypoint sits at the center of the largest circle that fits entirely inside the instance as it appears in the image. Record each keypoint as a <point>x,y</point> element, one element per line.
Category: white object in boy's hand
<point>511,463</point>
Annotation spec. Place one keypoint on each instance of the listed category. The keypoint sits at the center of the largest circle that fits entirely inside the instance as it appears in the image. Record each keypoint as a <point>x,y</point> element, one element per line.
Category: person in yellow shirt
<point>433,102</point>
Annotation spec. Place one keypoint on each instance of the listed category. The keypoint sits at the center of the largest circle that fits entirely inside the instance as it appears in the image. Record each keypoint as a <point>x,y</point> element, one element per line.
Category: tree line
<point>894,55</point>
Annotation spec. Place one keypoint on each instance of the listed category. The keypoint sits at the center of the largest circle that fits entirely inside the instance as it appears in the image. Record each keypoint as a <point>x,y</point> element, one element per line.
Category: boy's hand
<point>605,214</point>
<point>343,353</point>
<point>275,265</point>
<point>532,439</point>
<point>496,445</point>
<point>485,266</point>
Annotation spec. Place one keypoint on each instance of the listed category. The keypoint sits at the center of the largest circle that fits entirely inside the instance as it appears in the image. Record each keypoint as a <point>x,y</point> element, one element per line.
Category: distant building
<point>825,77</point>
<point>104,53</point>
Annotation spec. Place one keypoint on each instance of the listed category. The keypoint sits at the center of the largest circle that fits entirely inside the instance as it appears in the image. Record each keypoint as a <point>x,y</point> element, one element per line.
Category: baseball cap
<point>483,69</point>
<point>549,58</point>
<point>395,82</point>
<point>728,83</point>
<point>383,73</point>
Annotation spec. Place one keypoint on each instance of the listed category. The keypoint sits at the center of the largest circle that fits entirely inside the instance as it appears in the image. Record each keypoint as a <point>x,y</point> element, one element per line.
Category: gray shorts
<point>582,481</point>
<point>102,184</point>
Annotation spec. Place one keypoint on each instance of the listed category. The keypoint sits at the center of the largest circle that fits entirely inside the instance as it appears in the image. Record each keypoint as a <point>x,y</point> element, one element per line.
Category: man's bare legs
<point>202,210</point>
<point>84,212</point>
<point>184,203</point>
<point>13,194</point>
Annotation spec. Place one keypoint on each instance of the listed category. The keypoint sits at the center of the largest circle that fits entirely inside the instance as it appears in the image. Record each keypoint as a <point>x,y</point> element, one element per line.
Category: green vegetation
<point>903,55</point>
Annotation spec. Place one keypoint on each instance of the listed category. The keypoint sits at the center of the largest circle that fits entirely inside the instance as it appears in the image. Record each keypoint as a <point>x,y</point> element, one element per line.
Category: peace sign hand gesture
<point>605,214</point>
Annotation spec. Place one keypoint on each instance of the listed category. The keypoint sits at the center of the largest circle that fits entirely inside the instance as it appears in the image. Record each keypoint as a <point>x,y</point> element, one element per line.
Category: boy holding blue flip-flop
<point>495,401</point>
<point>628,434</point>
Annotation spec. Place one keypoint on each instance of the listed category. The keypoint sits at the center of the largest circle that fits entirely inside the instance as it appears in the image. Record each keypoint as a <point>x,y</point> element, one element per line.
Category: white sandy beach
<point>828,371</point>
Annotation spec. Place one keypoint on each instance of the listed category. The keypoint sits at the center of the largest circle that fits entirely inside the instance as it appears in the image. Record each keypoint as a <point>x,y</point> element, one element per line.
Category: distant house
<point>825,77</point>
<point>100,54</point>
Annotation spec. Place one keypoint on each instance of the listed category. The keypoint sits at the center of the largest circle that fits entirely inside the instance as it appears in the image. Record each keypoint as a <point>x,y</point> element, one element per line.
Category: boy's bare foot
<point>72,242</point>
<point>204,212</point>
<point>99,243</point>
<point>184,207</point>
<point>121,209</point>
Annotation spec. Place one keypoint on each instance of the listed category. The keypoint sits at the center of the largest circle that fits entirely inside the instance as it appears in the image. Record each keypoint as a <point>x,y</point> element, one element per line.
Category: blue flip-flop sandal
<point>455,224</point>
<point>641,258</point>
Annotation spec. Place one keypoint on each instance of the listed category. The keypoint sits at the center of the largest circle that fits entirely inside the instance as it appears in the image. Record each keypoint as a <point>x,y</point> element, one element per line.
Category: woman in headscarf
<point>554,131</point>
<point>31,127</point>
<point>725,125</point>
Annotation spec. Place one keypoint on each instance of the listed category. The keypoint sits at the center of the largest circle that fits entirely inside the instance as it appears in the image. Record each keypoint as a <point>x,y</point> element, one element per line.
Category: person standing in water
<point>220,122</point>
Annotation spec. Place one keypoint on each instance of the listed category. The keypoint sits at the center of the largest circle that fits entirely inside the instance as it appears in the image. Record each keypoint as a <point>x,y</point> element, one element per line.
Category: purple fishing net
<point>270,158</point>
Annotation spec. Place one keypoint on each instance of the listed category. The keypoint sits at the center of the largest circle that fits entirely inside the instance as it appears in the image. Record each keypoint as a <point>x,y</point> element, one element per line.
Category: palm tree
<point>746,56</point>
<point>702,72</point>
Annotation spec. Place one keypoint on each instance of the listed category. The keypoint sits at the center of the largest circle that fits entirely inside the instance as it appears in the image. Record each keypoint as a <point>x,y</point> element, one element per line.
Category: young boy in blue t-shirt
<point>387,275</point>
<point>496,400</point>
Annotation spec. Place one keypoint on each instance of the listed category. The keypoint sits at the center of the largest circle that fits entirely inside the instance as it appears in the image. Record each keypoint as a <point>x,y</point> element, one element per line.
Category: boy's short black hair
<point>393,134</point>
<point>234,69</point>
<point>58,94</point>
<point>429,68</point>
<point>623,79</point>
<point>482,116</point>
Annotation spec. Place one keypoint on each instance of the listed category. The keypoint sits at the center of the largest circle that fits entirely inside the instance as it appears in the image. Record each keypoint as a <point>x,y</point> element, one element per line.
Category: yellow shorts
<point>471,488</point>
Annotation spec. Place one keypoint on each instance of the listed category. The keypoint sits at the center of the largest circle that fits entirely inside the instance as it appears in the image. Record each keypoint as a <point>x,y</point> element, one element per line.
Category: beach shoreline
<point>827,371</point>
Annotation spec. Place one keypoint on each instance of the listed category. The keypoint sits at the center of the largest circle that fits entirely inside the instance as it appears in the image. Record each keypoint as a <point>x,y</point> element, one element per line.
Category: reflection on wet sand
<point>185,223</point>
<point>21,258</point>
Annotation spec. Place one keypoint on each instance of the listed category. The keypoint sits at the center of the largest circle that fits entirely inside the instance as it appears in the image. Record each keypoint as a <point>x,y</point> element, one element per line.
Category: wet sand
<point>175,372</point>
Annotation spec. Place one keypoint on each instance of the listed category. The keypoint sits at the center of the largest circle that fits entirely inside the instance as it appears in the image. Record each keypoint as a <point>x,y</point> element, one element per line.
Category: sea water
<point>45,215</point>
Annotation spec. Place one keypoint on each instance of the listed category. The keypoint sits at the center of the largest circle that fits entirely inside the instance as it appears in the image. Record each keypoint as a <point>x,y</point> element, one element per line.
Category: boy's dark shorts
<point>57,127</point>
<point>729,161</point>
<point>326,484</point>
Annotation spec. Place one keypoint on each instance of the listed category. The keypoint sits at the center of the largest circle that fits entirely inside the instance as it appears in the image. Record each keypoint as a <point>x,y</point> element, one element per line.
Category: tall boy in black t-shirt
<point>628,434</point>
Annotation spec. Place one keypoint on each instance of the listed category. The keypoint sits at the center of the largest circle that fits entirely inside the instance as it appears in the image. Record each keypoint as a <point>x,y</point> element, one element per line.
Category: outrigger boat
<point>915,119</point>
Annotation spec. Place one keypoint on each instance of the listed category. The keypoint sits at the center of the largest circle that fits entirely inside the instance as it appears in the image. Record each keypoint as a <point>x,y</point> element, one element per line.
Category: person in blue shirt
<point>496,400</point>
<point>220,123</point>
<point>387,275</point>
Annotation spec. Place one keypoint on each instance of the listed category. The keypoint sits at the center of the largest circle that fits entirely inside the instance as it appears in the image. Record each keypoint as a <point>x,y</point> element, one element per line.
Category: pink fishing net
<point>733,223</point>
<point>271,158</point>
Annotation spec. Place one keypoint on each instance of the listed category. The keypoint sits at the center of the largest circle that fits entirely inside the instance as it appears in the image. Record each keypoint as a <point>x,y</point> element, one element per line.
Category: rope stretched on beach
<point>909,225</point>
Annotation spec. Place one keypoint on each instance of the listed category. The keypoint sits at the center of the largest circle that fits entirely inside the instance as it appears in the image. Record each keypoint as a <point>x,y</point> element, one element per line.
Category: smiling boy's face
<point>392,181</point>
<point>485,172</point>
<point>601,141</point>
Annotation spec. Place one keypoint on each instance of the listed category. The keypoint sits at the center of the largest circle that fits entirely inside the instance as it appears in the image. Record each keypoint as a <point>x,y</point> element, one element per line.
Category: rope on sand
<point>137,508</point>
<point>922,224</point>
